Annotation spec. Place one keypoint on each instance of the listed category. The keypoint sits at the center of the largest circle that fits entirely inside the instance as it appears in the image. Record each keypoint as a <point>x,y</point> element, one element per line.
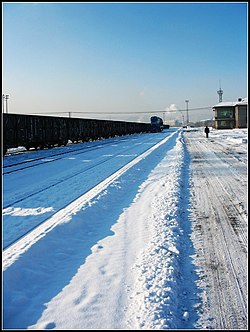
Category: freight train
<point>36,131</point>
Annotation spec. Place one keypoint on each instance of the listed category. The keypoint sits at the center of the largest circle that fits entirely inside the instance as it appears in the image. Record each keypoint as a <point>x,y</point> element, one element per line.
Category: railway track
<point>78,172</point>
<point>42,160</point>
<point>64,180</point>
<point>54,218</point>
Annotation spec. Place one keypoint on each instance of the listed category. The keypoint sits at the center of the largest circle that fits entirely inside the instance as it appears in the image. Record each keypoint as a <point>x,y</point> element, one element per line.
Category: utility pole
<point>182,119</point>
<point>5,97</point>
<point>187,101</point>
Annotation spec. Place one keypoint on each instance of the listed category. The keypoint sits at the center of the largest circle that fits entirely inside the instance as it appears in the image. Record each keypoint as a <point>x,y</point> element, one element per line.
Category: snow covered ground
<point>138,232</point>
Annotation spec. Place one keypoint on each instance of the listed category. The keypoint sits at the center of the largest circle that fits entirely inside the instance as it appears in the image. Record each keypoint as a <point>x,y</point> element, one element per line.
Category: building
<point>173,123</point>
<point>241,114</point>
<point>229,115</point>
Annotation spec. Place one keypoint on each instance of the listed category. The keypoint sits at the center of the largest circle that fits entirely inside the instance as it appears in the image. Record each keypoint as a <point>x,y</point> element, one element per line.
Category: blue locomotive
<point>156,124</point>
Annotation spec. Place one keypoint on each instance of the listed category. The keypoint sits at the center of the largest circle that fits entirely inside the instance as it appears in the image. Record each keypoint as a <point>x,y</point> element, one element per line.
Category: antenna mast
<point>220,93</point>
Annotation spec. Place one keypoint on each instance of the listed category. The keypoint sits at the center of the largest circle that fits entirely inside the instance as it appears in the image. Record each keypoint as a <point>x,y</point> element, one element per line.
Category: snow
<point>243,101</point>
<point>102,237</point>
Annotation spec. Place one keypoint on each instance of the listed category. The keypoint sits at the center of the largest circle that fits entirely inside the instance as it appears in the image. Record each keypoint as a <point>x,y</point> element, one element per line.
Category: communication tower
<point>220,93</point>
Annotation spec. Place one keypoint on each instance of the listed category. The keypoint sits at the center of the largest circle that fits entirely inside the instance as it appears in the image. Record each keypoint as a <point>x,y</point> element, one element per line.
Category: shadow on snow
<point>49,265</point>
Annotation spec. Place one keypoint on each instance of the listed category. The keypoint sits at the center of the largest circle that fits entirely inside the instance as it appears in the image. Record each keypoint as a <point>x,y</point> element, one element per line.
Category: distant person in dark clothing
<point>206,131</point>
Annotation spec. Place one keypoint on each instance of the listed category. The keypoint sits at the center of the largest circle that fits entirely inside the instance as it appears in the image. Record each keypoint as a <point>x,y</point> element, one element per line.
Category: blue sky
<point>123,57</point>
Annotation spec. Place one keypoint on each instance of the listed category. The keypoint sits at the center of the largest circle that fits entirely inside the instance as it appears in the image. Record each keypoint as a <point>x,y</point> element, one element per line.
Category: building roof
<point>231,103</point>
<point>225,104</point>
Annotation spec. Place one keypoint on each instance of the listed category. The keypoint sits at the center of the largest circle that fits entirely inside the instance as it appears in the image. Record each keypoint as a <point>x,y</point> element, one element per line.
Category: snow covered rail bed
<point>43,157</point>
<point>160,243</point>
<point>79,172</point>
<point>23,242</point>
<point>31,196</point>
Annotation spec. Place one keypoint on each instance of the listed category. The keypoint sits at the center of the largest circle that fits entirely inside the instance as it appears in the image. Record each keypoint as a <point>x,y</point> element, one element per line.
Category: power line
<point>124,113</point>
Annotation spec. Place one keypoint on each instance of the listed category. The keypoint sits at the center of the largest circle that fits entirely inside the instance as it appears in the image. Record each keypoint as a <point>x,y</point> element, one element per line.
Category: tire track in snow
<point>220,236</point>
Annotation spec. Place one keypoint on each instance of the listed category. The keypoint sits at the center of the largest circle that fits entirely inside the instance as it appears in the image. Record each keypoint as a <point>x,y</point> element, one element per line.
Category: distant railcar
<point>156,124</point>
<point>36,131</point>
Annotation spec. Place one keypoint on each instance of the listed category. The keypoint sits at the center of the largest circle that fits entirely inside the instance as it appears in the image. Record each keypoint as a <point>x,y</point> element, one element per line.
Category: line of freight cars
<point>35,131</point>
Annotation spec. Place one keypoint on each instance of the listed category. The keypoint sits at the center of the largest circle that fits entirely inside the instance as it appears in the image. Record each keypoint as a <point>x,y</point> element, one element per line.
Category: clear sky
<point>123,57</point>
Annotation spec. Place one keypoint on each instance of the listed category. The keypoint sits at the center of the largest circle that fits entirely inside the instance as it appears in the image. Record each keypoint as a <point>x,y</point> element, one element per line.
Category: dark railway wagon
<point>35,131</point>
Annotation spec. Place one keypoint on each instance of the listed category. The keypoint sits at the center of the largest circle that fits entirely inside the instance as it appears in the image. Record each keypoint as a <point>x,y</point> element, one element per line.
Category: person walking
<point>206,131</point>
